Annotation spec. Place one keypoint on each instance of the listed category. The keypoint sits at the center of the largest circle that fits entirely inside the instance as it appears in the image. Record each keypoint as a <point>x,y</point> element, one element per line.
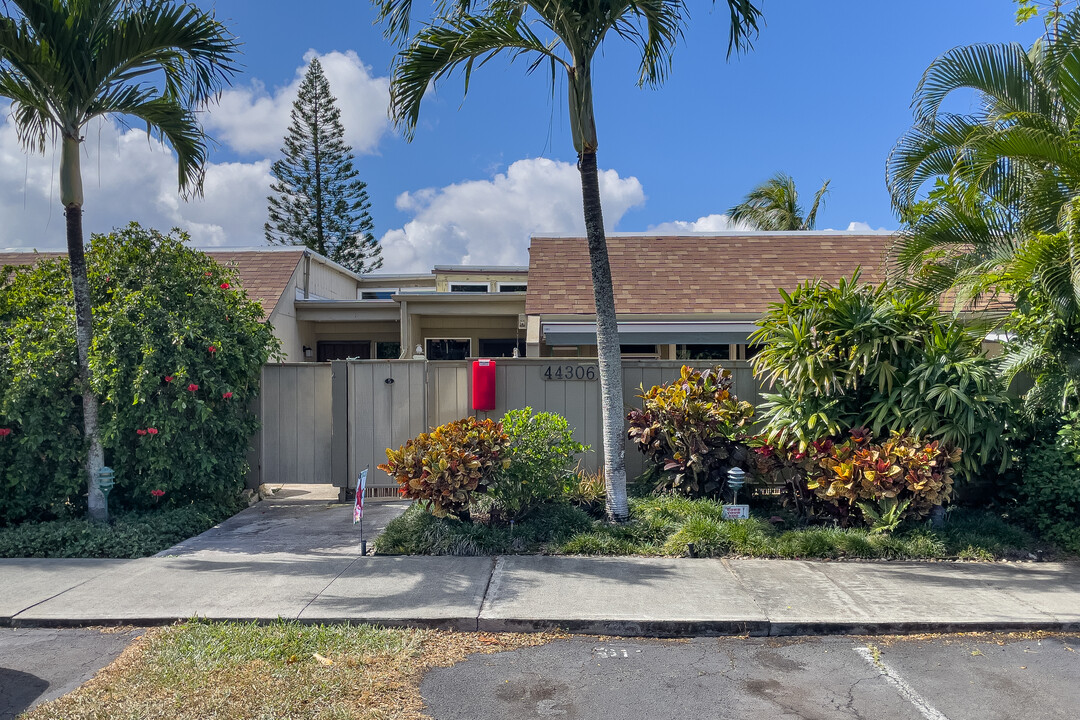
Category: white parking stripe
<point>927,710</point>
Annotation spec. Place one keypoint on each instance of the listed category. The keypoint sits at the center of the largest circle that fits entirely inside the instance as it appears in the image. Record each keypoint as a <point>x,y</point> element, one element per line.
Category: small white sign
<point>736,512</point>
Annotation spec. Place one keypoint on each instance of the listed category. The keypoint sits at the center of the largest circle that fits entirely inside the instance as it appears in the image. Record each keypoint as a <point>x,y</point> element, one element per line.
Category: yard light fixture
<point>106,480</point>
<point>736,479</point>
<point>307,352</point>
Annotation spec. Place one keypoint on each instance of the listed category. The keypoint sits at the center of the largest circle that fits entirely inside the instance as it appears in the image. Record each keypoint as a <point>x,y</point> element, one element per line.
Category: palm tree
<point>66,62</point>
<point>774,205</point>
<point>563,35</point>
<point>1004,210</point>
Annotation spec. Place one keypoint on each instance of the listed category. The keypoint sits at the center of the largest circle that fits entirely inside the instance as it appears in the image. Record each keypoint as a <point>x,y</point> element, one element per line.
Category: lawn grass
<point>202,670</point>
<point>130,535</point>
<point>669,525</point>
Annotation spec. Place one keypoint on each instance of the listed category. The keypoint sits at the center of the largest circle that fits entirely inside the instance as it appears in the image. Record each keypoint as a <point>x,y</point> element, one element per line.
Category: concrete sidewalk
<point>617,596</point>
<point>297,556</point>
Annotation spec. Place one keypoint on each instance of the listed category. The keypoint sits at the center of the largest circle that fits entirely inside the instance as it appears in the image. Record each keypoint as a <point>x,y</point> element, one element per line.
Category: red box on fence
<point>483,384</point>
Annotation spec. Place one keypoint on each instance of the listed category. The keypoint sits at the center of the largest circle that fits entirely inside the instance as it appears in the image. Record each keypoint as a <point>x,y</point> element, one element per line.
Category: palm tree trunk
<point>71,197</point>
<point>607,342</point>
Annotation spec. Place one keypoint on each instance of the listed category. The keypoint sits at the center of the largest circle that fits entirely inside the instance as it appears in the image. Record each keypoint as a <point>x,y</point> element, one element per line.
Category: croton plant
<point>688,430</point>
<point>442,469</point>
<point>845,475</point>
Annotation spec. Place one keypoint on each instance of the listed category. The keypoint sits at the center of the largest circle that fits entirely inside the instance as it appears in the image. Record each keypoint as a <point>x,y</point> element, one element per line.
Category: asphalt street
<point>960,677</point>
<point>38,665</point>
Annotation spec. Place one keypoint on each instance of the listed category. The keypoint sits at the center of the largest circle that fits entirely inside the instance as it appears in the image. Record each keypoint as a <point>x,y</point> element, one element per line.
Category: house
<point>686,297</point>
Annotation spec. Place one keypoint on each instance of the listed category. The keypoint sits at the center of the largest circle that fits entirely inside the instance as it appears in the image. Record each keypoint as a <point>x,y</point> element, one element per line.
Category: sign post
<point>358,508</point>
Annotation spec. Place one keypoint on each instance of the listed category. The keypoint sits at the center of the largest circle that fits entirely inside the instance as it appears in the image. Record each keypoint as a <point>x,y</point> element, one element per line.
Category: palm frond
<point>64,63</point>
<point>462,42</point>
<point>191,49</point>
<point>811,217</point>
<point>168,120</point>
<point>1002,73</point>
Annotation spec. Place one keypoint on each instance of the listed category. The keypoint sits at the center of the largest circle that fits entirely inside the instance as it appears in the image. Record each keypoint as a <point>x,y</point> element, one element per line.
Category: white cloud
<point>858,226</point>
<point>253,120</point>
<point>489,222</point>
<point>708,223</point>
<point>126,176</point>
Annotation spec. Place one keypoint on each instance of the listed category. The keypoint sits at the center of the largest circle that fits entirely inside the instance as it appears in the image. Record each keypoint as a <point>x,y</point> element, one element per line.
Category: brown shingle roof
<point>696,274</point>
<point>264,274</point>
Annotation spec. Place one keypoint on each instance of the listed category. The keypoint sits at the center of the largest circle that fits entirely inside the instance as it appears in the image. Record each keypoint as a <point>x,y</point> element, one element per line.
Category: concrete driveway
<point>297,519</point>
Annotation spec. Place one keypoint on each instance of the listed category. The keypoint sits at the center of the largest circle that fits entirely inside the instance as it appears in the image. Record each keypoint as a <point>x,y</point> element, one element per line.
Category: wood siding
<point>382,403</point>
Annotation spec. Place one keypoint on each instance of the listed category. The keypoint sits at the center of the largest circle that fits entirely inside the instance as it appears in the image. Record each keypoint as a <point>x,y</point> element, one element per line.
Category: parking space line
<point>927,710</point>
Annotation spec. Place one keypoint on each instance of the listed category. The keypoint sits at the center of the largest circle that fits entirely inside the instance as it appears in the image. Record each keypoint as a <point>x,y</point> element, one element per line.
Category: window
<point>512,287</point>
<point>501,348</point>
<point>639,351</point>
<point>703,352</point>
<point>447,349</point>
<point>564,351</point>
<point>469,287</point>
<point>377,293</point>
<point>343,350</point>
<point>387,350</point>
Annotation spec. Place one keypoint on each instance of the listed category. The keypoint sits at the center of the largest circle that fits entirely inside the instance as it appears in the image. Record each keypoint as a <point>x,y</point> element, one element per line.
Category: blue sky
<point>824,94</point>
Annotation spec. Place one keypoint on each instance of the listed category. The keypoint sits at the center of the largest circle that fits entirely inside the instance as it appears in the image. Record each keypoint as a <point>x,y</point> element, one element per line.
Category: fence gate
<point>386,406</point>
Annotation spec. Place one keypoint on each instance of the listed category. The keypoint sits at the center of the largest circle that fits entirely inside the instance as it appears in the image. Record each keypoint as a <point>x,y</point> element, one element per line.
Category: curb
<point>610,627</point>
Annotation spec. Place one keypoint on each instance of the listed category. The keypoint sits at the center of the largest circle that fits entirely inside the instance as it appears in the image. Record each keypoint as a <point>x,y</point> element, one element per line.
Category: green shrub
<point>666,525</point>
<point>586,490</point>
<point>129,535</point>
<point>443,468</point>
<point>687,429</point>
<point>855,356</point>
<point>41,450</point>
<point>176,362</point>
<point>603,543</point>
<point>1049,493</point>
<point>542,454</point>
<point>418,532</point>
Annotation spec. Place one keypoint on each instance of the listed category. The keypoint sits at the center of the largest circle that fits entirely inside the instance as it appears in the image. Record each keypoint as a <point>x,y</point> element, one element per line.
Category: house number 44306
<point>570,372</point>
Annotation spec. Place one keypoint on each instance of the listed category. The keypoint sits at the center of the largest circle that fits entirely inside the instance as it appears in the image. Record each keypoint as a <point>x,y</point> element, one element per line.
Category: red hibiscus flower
<point>192,387</point>
<point>224,286</point>
<point>157,493</point>
<point>4,432</point>
<point>211,349</point>
<point>168,378</point>
<point>226,395</point>
<point>140,431</point>
<point>152,431</point>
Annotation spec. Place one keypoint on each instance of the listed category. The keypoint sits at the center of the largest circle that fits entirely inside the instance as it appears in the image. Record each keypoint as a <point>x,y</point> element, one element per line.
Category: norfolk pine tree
<point>318,200</point>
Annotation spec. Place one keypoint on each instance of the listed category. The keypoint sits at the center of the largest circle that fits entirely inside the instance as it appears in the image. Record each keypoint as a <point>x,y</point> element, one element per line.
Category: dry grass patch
<point>200,670</point>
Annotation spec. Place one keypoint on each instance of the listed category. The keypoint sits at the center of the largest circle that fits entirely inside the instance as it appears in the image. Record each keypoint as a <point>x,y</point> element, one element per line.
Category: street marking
<point>925,709</point>
<point>603,652</point>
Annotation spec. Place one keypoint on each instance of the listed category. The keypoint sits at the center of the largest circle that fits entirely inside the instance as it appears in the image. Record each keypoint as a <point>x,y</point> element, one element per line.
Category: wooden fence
<point>326,422</point>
